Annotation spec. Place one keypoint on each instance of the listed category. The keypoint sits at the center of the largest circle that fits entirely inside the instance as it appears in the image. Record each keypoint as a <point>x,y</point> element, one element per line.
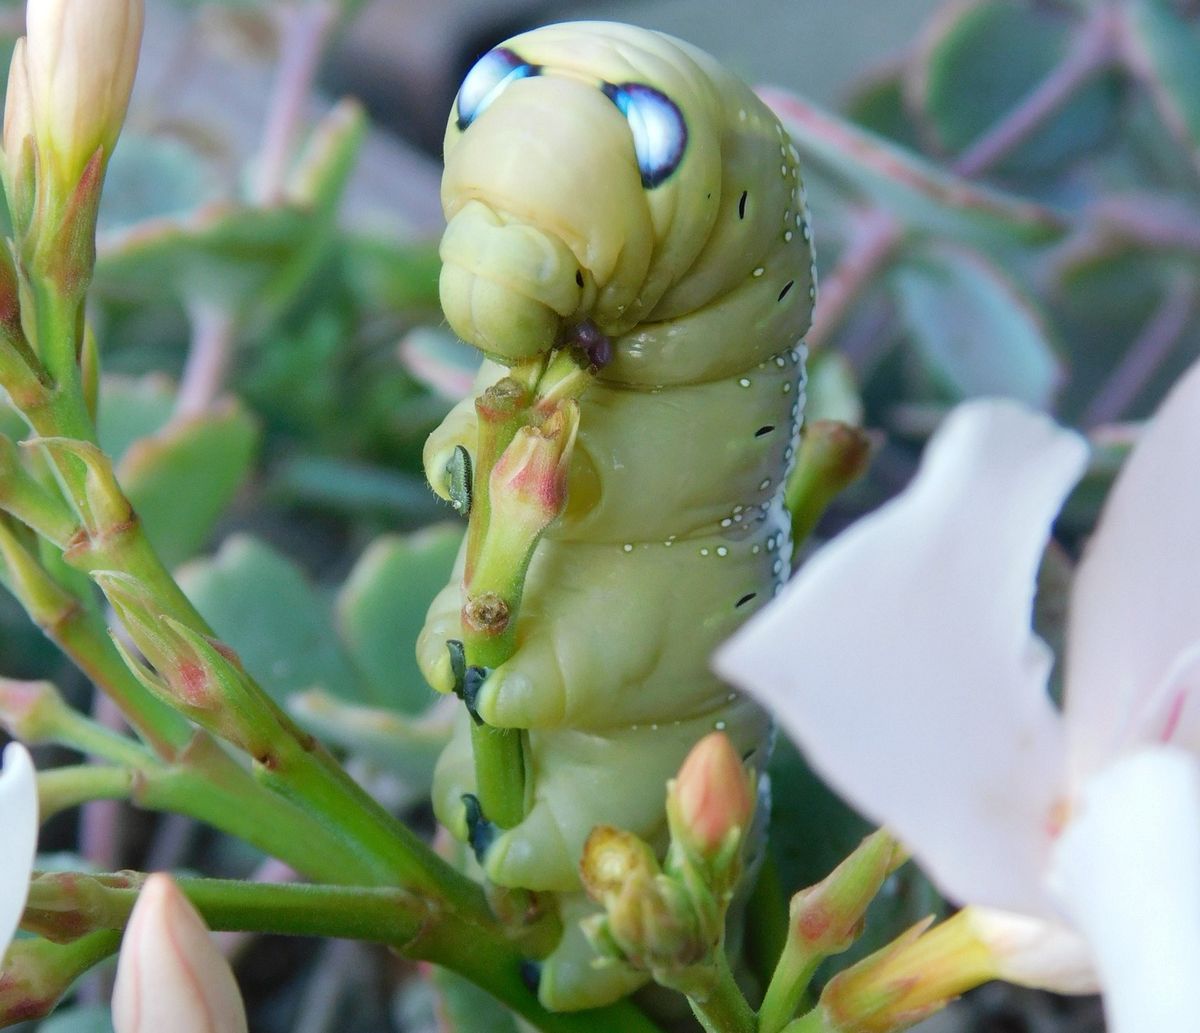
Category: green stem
<point>499,752</point>
<point>61,904</point>
<point>60,789</point>
<point>788,985</point>
<point>724,1009</point>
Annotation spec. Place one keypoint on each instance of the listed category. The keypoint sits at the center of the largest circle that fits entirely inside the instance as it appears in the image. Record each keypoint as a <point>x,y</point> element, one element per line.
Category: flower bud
<point>18,139</point>
<point>712,797</point>
<point>528,484</point>
<point>611,857</point>
<point>651,920</point>
<point>170,975</point>
<point>81,57</point>
<point>33,711</point>
<point>827,918</point>
<point>912,978</point>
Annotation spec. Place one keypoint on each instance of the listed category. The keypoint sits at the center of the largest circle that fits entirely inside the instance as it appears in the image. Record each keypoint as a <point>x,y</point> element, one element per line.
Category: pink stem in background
<point>214,334</point>
<point>1143,358</point>
<point>871,245</point>
<point>1095,48</point>
<point>305,31</point>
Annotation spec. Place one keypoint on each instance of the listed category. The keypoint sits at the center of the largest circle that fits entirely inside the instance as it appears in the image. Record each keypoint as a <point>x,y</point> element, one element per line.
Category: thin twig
<point>1146,355</point>
<point>1094,49</point>
<point>214,335</point>
<point>305,31</point>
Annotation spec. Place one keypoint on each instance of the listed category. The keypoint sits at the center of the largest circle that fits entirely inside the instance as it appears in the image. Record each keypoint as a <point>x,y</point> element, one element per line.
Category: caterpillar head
<point>582,176</point>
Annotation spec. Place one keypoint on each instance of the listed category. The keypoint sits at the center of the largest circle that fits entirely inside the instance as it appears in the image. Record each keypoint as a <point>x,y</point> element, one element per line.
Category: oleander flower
<point>902,660</point>
<point>18,844</point>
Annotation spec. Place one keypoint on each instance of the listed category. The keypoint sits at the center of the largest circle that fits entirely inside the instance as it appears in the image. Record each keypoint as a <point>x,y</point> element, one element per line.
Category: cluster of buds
<point>669,920</point>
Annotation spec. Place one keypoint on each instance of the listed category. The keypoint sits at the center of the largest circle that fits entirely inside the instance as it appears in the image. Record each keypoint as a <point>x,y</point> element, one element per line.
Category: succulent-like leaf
<point>1165,52</point>
<point>260,603</point>
<point>978,333</point>
<point>982,59</point>
<point>181,479</point>
<point>382,607</point>
<point>875,171</point>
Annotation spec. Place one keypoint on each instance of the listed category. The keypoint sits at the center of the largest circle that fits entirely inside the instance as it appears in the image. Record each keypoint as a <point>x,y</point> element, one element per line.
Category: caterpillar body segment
<point>613,176</point>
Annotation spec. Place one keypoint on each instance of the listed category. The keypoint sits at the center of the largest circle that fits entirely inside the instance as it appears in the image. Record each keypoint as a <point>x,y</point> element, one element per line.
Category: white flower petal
<point>18,844</point>
<point>901,657</point>
<point>1135,606</point>
<point>1036,952</point>
<point>1127,871</point>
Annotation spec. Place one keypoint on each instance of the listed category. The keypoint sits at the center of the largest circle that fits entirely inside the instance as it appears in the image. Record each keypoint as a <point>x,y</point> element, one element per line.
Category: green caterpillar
<point>600,175</point>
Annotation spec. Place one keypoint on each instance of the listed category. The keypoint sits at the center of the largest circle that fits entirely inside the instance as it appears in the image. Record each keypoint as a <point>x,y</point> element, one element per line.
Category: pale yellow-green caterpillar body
<point>612,175</point>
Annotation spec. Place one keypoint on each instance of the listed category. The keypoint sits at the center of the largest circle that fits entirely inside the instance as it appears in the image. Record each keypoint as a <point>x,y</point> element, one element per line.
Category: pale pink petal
<point>18,843</point>
<point>901,657</point>
<point>1037,952</point>
<point>170,975</point>
<point>1135,607</point>
<point>1127,872</point>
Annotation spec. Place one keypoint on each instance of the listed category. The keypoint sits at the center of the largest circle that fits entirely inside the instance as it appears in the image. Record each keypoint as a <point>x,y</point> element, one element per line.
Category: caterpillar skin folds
<point>599,173</point>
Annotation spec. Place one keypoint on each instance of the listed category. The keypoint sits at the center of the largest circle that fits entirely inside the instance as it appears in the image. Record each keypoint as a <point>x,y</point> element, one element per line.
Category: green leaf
<point>358,489</point>
<point>984,58</point>
<point>133,408</point>
<point>393,275</point>
<point>877,104</point>
<point>246,259</point>
<point>261,604</point>
<point>153,177</point>
<point>467,1009</point>
<point>382,607</point>
<point>181,479</point>
<point>874,171</point>
<point>93,1018</point>
<point>977,333</point>
<point>1166,55</point>
<point>407,747</point>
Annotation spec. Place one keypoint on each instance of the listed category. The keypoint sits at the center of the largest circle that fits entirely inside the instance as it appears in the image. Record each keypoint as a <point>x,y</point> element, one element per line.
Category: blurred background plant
<point>1008,202</point>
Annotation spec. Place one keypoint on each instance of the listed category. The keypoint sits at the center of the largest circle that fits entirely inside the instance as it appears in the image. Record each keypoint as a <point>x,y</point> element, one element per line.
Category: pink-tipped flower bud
<point>712,797</point>
<point>170,975</point>
<point>528,484</point>
<point>33,711</point>
<point>81,58</point>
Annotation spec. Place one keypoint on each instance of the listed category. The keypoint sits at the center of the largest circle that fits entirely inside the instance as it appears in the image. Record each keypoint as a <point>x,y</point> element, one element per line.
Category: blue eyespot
<point>485,81</point>
<point>659,131</point>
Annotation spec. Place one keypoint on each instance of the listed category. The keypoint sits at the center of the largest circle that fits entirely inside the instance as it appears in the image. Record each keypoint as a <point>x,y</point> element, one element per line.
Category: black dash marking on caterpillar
<point>579,277</point>
<point>481,833</point>
<point>531,975</point>
<point>786,287</point>
<point>742,204</point>
<point>473,679</point>
<point>745,599</point>
<point>765,429</point>
<point>459,473</point>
